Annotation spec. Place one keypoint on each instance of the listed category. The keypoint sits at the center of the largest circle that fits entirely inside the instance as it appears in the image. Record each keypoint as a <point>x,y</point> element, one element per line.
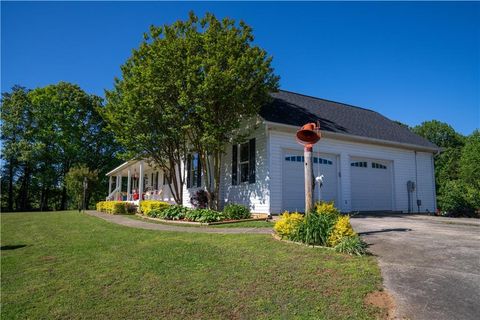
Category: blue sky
<point>409,61</point>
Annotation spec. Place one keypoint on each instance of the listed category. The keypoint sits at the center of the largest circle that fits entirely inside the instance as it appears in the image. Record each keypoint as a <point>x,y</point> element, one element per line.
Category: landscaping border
<point>181,222</point>
<point>277,237</point>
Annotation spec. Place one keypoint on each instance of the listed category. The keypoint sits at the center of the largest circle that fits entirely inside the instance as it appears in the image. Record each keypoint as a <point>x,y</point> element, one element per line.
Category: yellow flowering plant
<point>288,224</point>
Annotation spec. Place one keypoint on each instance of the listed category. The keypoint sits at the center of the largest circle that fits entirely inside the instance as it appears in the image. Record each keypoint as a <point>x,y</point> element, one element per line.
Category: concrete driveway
<point>430,265</point>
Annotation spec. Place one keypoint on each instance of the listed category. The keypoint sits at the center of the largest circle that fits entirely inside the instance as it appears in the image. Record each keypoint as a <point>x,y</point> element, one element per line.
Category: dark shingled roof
<point>297,109</point>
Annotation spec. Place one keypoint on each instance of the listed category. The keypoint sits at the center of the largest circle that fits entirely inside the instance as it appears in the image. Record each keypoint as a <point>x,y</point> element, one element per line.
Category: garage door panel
<point>294,179</point>
<point>371,184</point>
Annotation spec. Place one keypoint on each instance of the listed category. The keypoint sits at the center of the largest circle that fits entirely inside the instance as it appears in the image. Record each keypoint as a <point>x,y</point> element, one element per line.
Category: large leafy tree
<point>196,80</point>
<point>447,162</point>
<point>470,160</point>
<point>75,183</point>
<point>230,81</point>
<point>440,133</point>
<point>45,132</point>
<point>19,148</point>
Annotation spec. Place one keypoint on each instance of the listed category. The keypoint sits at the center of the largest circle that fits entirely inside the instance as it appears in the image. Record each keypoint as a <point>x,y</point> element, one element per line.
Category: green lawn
<point>80,267</point>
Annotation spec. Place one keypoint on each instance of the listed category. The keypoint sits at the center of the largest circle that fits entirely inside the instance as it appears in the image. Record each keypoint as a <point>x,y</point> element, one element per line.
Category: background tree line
<point>48,134</point>
<point>457,167</point>
<point>190,87</point>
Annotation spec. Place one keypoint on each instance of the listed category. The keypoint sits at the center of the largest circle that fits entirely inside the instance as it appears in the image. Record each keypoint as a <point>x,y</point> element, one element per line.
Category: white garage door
<point>371,184</point>
<point>294,179</point>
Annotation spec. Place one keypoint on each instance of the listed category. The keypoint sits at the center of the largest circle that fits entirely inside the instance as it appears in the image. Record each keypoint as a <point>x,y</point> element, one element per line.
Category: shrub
<point>457,198</point>
<point>315,229</point>
<point>200,199</point>
<point>288,224</point>
<point>147,205</point>
<point>236,211</point>
<point>204,215</point>
<point>116,207</point>
<point>341,229</point>
<point>326,208</point>
<point>352,245</point>
<point>175,212</point>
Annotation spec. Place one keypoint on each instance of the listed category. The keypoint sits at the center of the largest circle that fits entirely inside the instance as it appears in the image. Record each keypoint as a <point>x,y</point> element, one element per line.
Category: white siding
<point>403,161</point>
<point>255,195</point>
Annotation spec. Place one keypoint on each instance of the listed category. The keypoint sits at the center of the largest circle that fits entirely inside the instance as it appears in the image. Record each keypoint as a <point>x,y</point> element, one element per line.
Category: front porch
<point>136,180</point>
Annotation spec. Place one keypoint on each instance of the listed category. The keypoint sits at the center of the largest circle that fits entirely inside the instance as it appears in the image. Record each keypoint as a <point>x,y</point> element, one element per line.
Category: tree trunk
<point>44,199</point>
<point>24,203</point>
<point>216,179</point>
<point>10,185</point>
<point>63,202</point>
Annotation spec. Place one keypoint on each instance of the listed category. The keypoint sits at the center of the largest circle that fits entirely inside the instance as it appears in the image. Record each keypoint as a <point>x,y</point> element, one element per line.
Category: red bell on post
<point>308,135</point>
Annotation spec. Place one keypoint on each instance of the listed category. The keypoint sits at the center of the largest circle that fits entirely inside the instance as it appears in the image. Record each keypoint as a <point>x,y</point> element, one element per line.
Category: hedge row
<point>148,205</point>
<point>116,207</point>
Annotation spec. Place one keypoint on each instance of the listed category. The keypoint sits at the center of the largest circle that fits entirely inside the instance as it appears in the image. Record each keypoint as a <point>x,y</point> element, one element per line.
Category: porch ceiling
<point>132,165</point>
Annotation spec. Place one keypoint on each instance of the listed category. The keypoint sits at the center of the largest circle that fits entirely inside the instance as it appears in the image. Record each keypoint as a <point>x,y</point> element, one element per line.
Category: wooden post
<point>308,179</point>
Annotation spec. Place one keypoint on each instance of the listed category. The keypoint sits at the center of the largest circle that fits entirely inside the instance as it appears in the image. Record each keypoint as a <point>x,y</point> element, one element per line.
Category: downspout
<point>416,182</point>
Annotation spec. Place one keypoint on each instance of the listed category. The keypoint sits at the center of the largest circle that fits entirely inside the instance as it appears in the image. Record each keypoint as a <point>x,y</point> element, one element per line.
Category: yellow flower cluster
<point>288,224</point>
<point>115,207</point>
<point>342,229</point>
<point>148,205</point>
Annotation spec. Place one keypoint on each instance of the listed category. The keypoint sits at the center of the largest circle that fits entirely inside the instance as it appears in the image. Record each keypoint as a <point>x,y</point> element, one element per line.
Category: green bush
<point>236,211</point>
<point>352,245</point>
<point>204,215</point>
<point>457,199</point>
<point>315,229</point>
<point>175,212</point>
<point>147,205</point>
<point>116,207</point>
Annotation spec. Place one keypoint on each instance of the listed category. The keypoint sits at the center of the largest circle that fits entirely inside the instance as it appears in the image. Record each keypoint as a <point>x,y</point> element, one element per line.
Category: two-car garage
<point>371,186</point>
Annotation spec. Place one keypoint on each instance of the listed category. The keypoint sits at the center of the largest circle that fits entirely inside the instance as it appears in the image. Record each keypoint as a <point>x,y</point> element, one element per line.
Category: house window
<point>193,171</point>
<point>378,166</point>
<point>164,178</point>
<point>243,162</point>
<point>302,159</point>
<point>361,164</point>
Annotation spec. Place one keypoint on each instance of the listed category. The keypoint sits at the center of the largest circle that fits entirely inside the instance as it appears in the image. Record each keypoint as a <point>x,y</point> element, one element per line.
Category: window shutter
<point>156,180</point>
<point>199,172</point>
<point>189,164</point>
<point>251,162</point>
<point>234,164</point>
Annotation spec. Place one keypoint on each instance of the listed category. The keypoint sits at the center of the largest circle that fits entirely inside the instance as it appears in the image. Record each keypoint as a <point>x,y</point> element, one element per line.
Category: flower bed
<point>324,227</point>
<point>231,214</point>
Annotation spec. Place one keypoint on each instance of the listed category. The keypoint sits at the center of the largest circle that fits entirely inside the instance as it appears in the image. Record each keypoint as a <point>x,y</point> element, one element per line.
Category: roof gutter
<point>354,138</point>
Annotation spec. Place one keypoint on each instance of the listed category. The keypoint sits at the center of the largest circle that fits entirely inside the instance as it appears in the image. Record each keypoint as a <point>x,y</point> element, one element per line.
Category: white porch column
<point>109,184</point>
<point>129,187</point>
<point>140,183</point>
<point>119,183</point>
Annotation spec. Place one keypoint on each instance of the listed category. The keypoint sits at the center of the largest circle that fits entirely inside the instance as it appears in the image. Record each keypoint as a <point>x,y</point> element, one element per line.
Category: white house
<point>366,161</point>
